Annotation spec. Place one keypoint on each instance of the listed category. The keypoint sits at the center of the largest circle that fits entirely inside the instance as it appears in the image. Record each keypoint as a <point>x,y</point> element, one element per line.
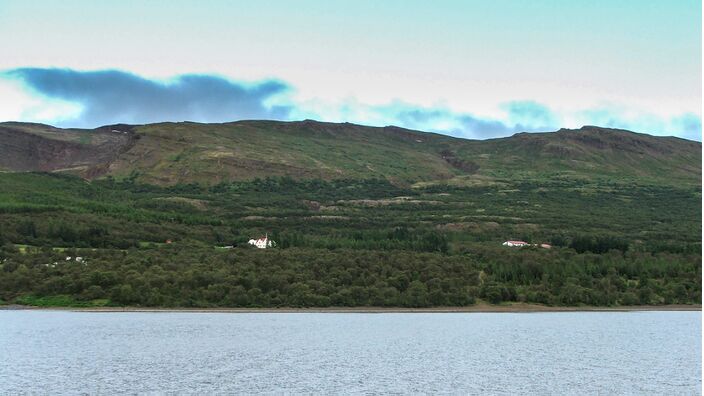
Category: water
<point>49,352</point>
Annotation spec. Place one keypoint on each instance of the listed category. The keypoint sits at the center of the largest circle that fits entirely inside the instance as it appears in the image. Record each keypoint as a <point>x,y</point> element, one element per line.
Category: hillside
<point>39,147</point>
<point>170,153</point>
<point>588,151</point>
<point>369,217</point>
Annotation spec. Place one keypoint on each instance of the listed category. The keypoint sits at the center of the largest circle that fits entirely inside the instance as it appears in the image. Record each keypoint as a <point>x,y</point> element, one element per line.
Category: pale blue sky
<point>469,68</point>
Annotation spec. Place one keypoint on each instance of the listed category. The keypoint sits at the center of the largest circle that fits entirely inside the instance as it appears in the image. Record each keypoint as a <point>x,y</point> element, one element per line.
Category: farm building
<point>523,244</point>
<point>262,243</point>
<point>515,243</point>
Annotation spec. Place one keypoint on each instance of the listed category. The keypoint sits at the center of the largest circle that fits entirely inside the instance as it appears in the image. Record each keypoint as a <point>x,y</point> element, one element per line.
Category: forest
<point>346,243</point>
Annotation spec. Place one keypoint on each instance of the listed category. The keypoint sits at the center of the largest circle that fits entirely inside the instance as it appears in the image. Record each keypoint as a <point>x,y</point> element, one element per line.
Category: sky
<point>469,68</point>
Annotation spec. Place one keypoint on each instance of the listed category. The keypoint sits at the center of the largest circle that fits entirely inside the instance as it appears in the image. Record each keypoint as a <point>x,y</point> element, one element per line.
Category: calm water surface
<point>45,352</point>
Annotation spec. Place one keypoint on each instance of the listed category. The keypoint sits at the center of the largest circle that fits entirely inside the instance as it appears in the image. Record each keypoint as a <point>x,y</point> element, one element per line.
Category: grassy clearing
<point>26,248</point>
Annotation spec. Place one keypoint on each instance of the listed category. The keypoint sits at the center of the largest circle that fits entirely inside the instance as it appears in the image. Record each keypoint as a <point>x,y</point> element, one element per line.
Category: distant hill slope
<point>589,151</point>
<point>39,147</point>
<point>168,153</point>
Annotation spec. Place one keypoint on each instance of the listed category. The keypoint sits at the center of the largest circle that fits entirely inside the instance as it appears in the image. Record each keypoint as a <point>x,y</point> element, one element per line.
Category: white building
<point>515,243</point>
<point>262,243</point>
<point>523,244</point>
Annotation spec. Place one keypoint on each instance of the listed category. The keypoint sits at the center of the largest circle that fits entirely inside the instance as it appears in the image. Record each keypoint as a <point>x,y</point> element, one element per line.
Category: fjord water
<point>59,352</point>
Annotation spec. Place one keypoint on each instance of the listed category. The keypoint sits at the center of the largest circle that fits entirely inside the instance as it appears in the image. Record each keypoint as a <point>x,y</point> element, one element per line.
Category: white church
<point>262,243</point>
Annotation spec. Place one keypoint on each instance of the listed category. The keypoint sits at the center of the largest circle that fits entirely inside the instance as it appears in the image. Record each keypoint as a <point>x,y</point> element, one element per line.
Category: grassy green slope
<point>186,152</point>
<point>587,152</point>
<point>189,152</point>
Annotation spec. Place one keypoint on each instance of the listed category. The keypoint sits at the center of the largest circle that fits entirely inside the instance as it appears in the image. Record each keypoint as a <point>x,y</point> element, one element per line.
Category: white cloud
<point>18,104</point>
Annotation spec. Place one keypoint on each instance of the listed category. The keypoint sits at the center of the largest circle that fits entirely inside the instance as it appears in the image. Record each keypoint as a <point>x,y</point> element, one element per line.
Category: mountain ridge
<point>186,152</point>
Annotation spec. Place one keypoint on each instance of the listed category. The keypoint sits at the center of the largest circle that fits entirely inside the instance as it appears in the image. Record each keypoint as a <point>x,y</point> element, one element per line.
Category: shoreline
<point>479,308</point>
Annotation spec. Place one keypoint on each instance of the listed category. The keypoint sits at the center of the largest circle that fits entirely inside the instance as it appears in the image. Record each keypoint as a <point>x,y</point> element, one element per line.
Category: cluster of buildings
<point>264,242</point>
<point>77,259</point>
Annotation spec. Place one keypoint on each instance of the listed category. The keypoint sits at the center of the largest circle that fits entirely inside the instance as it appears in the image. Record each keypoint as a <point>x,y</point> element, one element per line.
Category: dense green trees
<point>191,276</point>
<point>347,243</point>
<point>598,244</point>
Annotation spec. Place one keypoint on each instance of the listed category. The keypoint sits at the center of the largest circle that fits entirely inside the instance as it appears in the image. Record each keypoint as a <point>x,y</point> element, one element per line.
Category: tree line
<point>193,276</point>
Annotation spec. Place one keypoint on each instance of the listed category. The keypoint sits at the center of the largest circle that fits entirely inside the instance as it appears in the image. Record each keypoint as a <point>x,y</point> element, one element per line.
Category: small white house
<point>262,243</point>
<point>523,244</point>
<point>515,243</point>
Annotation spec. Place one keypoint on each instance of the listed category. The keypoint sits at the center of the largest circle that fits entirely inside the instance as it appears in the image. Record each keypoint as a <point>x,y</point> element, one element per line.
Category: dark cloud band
<point>114,96</point>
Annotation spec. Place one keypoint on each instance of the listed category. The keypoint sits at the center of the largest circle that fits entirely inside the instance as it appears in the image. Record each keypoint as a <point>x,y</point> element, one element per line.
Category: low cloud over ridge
<point>521,116</point>
<point>114,96</point>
